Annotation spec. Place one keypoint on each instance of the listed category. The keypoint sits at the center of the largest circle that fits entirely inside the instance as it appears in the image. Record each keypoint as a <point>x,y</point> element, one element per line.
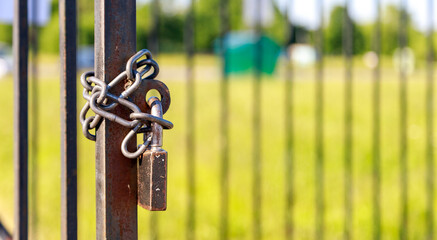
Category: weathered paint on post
<point>20,49</point>
<point>67,49</point>
<point>116,175</point>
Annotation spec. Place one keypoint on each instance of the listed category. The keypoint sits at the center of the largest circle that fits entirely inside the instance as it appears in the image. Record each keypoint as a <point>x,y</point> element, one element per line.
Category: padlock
<point>152,167</point>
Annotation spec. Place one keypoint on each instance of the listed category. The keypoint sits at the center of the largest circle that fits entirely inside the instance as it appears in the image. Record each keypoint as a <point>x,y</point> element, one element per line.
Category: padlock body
<point>152,180</point>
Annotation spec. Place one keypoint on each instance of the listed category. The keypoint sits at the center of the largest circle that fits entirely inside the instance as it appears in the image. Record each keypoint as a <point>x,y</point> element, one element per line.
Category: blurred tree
<point>207,24</point>
<point>143,25</point>
<point>236,15</point>
<point>390,29</point>
<point>334,34</point>
<point>171,32</point>
<point>85,15</point>
<point>416,39</point>
<point>49,34</point>
<point>276,30</point>
<point>6,33</point>
<point>417,42</point>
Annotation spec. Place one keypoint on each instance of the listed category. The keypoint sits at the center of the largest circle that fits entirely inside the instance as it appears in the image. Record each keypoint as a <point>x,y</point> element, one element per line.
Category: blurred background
<point>293,119</point>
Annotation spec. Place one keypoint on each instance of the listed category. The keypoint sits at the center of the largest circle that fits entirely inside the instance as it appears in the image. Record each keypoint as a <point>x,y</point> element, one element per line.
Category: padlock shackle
<point>156,110</point>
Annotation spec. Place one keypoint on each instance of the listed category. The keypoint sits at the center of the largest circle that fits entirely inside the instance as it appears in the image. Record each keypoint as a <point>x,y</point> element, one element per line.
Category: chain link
<point>101,101</point>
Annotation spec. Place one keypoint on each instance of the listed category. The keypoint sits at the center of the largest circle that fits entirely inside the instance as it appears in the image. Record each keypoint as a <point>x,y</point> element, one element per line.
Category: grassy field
<point>172,223</point>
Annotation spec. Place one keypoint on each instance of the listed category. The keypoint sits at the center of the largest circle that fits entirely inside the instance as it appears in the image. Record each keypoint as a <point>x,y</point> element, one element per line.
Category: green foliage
<point>390,29</point>
<point>49,36</point>
<point>85,22</point>
<point>171,33</point>
<point>207,28</point>
<point>235,16</point>
<point>207,24</point>
<point>334,31</point>
<point>6,33</point>
<point>390,33</point>
<point>277,30</point>
<point>418,43</point>
<point>143,25</point>
<point>334,34</point>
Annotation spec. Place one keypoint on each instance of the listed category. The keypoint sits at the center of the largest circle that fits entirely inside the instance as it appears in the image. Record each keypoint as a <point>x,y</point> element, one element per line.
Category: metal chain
<point>97,94</point>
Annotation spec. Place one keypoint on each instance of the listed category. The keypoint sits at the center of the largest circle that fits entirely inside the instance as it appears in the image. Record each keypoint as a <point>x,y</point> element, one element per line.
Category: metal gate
<point>116,175</point>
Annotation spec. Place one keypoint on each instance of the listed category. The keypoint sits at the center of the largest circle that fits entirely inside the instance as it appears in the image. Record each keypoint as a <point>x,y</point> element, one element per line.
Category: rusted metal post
<point>67,49</point>
<point>116,182</point>
<point>20,48</point>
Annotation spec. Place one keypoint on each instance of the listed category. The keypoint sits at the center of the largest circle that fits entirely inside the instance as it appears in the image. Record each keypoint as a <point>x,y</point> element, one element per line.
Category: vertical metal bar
<point>430,125</point>
<point>116,175</point>
<point>403,144</point>
<point>34,111</point>
<point>21,48</point>
<point>256,118</point>
<point>348,140</point>
<point>67,48</point>
<point>191,174</point>
<point>224,120</point>
<point>154,48</point>
<point>319,131</point>
<point>289,129</point>
<point>376,136</point>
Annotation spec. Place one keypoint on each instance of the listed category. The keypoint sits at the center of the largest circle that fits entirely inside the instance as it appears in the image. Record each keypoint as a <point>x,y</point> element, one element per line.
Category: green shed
<point>241,52</point>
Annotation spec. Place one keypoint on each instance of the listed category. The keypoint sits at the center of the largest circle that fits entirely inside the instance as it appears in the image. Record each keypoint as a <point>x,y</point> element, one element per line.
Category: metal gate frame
<point>115,179</point>
<point>116,196</point>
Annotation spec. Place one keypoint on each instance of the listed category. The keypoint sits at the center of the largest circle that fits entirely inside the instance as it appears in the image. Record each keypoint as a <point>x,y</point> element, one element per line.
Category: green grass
<point>172,223</point>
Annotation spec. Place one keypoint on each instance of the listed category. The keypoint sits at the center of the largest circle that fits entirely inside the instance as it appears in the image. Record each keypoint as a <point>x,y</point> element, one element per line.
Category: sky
<point>363,11</point>
<point>41,17</point>
<point>302,12</point>
<point>305,12</point>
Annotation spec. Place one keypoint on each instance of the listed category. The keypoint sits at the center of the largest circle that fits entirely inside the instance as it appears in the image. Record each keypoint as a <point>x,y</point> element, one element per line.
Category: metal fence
<point>116,213</point>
